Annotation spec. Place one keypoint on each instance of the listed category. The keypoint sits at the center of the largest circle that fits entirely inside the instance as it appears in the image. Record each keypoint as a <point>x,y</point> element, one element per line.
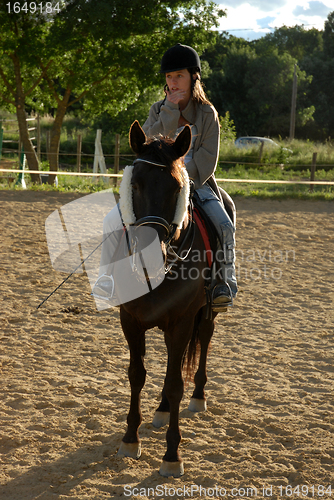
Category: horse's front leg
<point>135,336</point>
<point>176,342</point>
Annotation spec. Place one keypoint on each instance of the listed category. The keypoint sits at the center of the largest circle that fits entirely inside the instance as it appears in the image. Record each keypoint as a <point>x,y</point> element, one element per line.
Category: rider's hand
<point>175,97</point>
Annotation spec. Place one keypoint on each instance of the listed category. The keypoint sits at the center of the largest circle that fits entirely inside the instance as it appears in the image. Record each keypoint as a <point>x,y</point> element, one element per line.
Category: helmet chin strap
<point>125,192</point>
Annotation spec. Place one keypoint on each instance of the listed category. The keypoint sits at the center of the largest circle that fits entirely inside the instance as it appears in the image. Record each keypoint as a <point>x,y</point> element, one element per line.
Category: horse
<point>178,305</point>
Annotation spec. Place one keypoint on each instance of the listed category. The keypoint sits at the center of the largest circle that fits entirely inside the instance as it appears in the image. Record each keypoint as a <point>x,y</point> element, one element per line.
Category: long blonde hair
<point>197,92</point>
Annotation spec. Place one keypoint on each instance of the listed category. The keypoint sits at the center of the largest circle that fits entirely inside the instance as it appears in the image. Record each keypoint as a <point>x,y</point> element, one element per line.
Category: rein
<point>190,228</point>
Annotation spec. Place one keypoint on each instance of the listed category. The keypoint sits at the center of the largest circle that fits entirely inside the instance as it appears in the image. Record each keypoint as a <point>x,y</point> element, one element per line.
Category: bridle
<point>169,228</point>
<point>159,221</point>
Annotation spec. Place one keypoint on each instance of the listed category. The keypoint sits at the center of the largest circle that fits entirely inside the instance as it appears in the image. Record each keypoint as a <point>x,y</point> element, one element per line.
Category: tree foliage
<point>328,36</point>
<point>297,41</point>
<point>105,52</point>
<point>103,56</point>
<point>253,81</point>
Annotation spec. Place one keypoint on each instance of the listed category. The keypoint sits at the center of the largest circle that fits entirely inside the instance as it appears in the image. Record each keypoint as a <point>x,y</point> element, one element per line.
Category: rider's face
<point>179,81</point>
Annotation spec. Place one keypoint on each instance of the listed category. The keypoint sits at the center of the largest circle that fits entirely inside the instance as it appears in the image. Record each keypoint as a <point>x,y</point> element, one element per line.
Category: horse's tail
<point>191,354</point>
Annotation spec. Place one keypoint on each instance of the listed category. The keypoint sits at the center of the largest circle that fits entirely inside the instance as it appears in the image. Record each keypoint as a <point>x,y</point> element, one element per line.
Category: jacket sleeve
<point>162,119</point>
<point>204,161</point>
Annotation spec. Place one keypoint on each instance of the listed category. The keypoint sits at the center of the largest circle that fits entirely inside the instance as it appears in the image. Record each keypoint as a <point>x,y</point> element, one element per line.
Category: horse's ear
<point>137,137</point>
<point>183,141</point>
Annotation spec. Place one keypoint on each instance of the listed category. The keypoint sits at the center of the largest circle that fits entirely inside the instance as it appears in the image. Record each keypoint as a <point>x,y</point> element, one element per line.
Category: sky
<point>256,18</point>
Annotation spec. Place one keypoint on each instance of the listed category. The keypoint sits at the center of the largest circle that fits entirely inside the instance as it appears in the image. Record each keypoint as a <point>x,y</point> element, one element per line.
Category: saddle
<point>212,241</point>
<point>207,229</point>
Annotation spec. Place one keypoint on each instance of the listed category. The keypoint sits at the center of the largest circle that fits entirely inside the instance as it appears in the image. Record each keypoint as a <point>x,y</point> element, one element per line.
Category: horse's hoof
<point>132,450</point>
<point>171,469</point>
<point>160,419</point>
<point>196,405</point>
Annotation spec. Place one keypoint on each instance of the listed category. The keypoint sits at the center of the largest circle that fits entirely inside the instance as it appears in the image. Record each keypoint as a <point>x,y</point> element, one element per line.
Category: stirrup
<point>221,306</point>
<point>104,287</point>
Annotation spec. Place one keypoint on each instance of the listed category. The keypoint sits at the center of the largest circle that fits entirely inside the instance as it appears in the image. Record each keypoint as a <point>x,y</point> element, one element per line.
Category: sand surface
<point>65,392</point>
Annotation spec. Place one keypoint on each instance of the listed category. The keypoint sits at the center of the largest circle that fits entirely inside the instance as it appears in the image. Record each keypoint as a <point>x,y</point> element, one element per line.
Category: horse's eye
<point>134,187</point>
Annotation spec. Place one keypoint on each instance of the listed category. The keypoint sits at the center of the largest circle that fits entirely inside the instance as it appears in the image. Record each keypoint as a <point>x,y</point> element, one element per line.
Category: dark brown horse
<point>177,305</point>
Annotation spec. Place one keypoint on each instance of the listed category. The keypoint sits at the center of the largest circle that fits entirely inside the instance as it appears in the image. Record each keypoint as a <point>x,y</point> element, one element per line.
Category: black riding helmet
<point>180,57</point>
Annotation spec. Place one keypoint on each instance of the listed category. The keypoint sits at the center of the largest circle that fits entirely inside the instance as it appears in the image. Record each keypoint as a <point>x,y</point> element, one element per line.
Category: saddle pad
<point>201,226</point>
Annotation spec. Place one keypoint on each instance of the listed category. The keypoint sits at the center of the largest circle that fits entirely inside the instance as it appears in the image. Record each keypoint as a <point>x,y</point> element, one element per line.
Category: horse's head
<point>158,184</point>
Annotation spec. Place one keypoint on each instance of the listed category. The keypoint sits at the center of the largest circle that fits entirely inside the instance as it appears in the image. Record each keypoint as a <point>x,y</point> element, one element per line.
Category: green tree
<point>20,76</point>
<point>320,95</point>
<point>269,82</point>
<point>255,86</point>
<point>104,52</point>
<point>228,88</point>
<point>328,36</point>
<point>216,54</point>
<point>296,41</point>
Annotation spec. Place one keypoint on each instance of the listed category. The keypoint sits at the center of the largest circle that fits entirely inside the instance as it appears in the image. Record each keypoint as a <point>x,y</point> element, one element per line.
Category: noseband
<point>159,221</point>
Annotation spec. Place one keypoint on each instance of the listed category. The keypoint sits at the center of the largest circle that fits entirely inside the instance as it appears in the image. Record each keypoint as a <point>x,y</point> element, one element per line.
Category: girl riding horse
<point>186,103</point>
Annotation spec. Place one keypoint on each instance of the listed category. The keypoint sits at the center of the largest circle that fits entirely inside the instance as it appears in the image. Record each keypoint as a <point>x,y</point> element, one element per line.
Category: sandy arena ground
<point>64,386</point>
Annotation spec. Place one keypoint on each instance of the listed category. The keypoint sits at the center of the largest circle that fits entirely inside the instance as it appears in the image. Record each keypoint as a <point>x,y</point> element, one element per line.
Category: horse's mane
<point>160,149</point>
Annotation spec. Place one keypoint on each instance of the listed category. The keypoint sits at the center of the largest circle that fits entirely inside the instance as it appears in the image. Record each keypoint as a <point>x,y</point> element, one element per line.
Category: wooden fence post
<point>116,162</point>
<point>261,153</point>
<point>48,145</point>
<point>293,105</point>
<point>1,138</point>
<point>313,167</point>
<point>98,157</point>
<point>38,138</point>
<point>79,145</point>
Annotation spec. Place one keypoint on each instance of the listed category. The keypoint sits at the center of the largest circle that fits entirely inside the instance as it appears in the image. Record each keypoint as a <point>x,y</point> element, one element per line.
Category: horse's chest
<point>167,304</point>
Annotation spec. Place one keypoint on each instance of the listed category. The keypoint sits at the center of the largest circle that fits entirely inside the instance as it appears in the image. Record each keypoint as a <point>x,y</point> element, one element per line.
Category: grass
<point>296,155</point>
<point>280,192</point>
<point>65,184</point>
<point>289,162</point>
<point>261,191</point>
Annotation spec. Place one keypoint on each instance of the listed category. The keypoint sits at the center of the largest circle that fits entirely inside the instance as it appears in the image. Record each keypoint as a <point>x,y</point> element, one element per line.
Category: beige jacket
<point>163,119</point>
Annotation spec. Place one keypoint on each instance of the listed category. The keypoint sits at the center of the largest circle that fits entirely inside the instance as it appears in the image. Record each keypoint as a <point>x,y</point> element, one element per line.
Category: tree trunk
<point>55,134</point>
<point>29,151</point>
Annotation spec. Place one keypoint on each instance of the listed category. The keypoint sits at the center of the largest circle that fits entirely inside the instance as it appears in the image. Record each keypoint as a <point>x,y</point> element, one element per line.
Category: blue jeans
<point>215,210</point>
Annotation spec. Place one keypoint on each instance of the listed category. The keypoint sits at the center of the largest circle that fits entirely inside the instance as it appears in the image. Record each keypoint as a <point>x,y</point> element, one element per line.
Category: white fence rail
<point>95,174</point>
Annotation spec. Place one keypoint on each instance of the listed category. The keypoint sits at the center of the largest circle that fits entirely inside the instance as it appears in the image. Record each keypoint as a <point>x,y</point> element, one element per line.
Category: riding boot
<point>224,285</point>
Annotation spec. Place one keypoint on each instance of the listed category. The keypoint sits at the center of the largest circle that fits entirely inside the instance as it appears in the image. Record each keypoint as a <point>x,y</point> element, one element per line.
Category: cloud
<point>265,21</point>
<point>315,8</point>
<point>264,5</point>
<point>250,19</point>
<point>249,35</point>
